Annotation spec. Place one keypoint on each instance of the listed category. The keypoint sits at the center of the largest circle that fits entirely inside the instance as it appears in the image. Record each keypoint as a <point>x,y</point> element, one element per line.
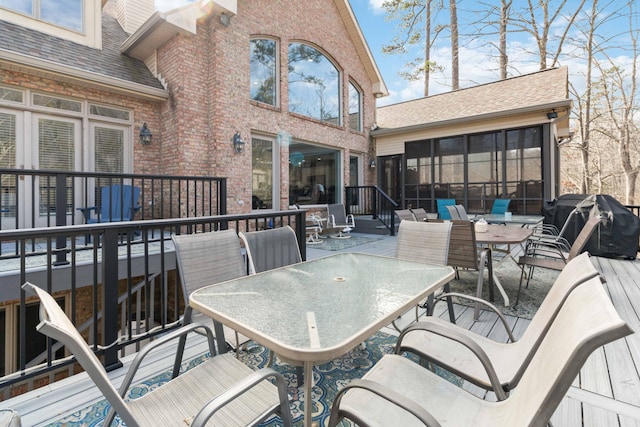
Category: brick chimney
<point>131,14</point>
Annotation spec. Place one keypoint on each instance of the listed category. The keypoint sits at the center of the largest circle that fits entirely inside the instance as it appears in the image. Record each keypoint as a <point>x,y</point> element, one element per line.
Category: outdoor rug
<point>328,378</point>
<point>330,244</point>
<point>508,273</point>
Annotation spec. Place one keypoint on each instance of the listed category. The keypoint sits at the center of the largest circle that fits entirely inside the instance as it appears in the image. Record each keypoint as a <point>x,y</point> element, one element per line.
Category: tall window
<point>313,174</point>
<point>65,13</point>
<point>314,84</point>
<point>355,108</point>
<point>262,175</point>
<point>264,82</point>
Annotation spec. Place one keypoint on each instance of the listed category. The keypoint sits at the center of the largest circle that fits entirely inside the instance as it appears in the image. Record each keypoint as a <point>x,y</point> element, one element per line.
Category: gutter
<point>486,116</point>
<point>18,60</point>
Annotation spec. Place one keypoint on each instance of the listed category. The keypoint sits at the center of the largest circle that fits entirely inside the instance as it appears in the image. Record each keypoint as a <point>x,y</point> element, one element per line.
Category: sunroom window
<point>263,71</point>
<point>314,84</point>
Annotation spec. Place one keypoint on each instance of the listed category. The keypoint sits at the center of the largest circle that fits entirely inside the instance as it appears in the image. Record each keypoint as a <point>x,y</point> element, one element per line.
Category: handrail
<point>123,272</point>
<point>371,200</point>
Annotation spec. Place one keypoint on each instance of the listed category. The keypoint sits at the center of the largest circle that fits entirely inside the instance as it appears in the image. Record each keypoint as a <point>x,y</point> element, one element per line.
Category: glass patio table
<point>312,312</point>
<point>524,220</point>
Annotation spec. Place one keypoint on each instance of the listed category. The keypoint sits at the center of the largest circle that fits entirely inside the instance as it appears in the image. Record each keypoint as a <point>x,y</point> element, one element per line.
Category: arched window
<point>314,84</point>
<point>263,71</point>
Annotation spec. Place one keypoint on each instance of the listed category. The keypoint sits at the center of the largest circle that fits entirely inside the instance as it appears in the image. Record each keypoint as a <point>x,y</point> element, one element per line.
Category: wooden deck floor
<point>606,393</point>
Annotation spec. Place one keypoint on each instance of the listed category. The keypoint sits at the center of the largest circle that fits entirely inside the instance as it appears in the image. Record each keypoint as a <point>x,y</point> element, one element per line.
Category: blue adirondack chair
<point>500,206</point>
<point>443,212</point>
<point>117,203</point>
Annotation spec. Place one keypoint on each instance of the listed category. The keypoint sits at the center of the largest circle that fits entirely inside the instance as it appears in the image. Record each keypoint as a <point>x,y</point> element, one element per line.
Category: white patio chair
<point>221,388</point>
<point>509,359</point>
<point>338,218</point>
<point>398,391</point>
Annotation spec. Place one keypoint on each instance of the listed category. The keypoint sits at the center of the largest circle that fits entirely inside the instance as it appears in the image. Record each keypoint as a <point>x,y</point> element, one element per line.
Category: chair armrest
<point>386,393</point>
<point>86,212</point>
<point>238,389</point>
<point>174,335</point>
<point>351,220</point>
<point>447,331</point>
<point>484,302</point>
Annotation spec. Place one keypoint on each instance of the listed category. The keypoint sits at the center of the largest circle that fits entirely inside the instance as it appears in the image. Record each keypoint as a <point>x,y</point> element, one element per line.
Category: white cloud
<point>376,6</point>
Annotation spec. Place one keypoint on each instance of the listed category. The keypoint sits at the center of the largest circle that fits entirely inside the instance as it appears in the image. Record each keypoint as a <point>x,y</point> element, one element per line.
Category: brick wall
<point>208,77</point>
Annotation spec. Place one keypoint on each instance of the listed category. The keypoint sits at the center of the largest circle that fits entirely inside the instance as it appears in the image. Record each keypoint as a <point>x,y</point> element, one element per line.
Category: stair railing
<point>371,200</point>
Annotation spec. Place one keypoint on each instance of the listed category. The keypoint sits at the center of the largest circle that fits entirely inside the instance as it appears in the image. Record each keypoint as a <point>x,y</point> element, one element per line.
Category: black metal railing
<point>371,200</point>
<point>119,290</point>
<point>46,198</point>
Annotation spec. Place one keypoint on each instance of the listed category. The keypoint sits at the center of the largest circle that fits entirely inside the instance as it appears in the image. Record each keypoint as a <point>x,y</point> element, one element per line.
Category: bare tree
<point>505,6</point>
<point>529,20</point>
<point>415,26</point>
<point>453,25</point>
<point>619,89</point>
<point>604,109</point>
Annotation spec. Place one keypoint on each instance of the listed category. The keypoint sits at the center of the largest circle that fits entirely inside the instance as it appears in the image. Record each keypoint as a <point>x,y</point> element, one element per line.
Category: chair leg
<point>520,286</point>
<point>452,314</point>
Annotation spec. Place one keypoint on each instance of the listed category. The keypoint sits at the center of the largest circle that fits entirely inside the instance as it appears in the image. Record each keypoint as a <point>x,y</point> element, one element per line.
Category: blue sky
<point>477,61</point>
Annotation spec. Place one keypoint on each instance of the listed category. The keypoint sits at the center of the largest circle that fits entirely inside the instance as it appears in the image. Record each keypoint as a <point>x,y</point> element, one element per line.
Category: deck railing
<point>46,198</point>
<point>119,289</point>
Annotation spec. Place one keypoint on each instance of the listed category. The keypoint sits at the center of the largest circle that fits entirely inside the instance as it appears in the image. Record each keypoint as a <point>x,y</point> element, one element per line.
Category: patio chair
<point>422,215</point>
<point>269,249</point>
<point>443,212</point>
<point>398,391</point>
<point>221,387</point>
<point>457,212</point>
<point>551,255</point>
<point>549,233</point>
<point>338,218</point>
<point>425,242</point>
<point>463,253</point>
<point>204,259</point>
<point>500,206</point>
<point>509,359</point>
<point>117,203</point>
<point>405,215</point>
<point>272,248</point>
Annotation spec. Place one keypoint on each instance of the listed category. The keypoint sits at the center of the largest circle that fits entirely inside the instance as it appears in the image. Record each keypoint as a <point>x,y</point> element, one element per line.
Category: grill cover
<point>617,235</point>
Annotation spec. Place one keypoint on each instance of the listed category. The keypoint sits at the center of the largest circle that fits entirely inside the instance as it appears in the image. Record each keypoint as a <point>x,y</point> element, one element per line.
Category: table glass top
<point>514,219</point>
<point>321,303</point>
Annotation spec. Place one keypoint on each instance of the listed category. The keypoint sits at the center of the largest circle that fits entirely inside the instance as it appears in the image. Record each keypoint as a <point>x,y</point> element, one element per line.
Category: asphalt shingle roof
<point>109,61</point>
<point>540,88</point>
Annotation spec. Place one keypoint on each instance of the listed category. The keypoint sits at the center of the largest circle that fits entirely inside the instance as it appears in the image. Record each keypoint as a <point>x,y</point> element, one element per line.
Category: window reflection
<point>355,105</point>
<point>262,174</point>
<point>314,84</point>
<point>313,174</point>
<point>263,71</point>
